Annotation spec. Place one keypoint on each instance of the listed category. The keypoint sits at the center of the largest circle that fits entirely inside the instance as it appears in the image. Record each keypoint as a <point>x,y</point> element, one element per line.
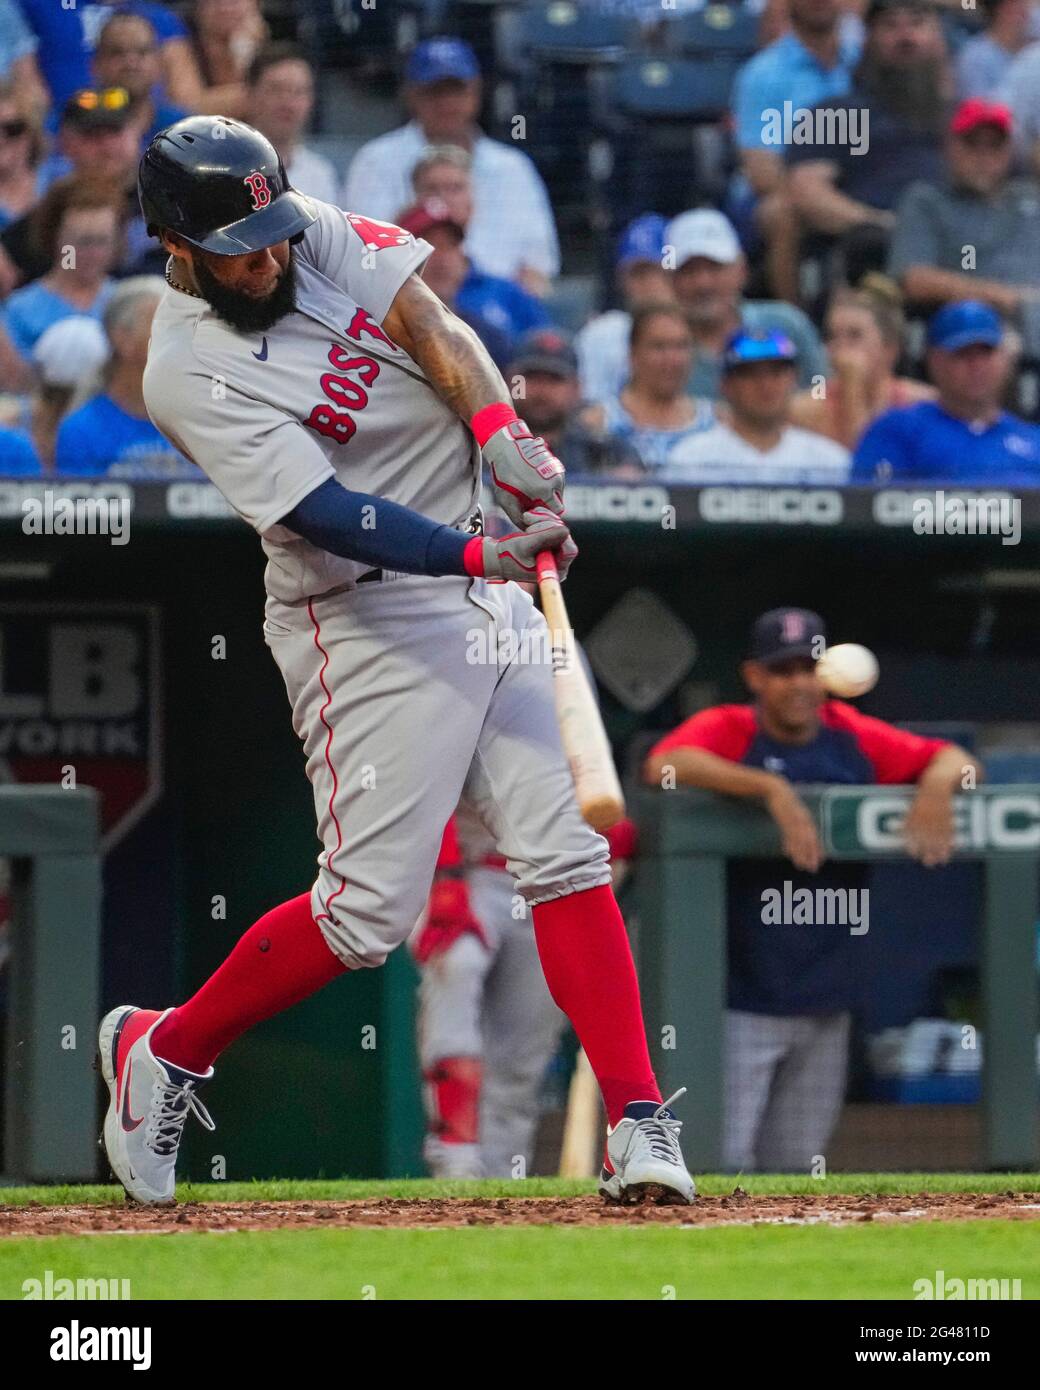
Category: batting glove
<point>525,471</point>
<point>516,556</point>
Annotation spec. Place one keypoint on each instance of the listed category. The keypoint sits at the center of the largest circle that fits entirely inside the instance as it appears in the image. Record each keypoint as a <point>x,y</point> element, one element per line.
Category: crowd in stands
<point>880,190</point>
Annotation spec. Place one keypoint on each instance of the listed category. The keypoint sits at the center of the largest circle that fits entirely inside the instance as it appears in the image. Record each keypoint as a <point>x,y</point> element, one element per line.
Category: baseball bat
<point>583,1127</point>
<point>581,728</point>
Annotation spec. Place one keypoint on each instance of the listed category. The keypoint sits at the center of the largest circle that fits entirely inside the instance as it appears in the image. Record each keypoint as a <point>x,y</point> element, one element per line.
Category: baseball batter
<point>300,361</point>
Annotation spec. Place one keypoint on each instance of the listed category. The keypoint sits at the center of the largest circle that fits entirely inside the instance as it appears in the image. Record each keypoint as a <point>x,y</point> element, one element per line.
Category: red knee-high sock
<point>282,959</point>
<point>588,967</point>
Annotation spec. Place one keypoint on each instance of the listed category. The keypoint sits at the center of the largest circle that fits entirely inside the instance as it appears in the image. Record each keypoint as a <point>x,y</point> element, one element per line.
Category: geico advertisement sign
<point>1004,820</point>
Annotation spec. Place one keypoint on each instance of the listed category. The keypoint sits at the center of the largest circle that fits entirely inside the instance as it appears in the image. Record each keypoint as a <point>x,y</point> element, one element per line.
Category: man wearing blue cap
<point>966,436</point>
<point>443,92</point>
<point>758,444</point>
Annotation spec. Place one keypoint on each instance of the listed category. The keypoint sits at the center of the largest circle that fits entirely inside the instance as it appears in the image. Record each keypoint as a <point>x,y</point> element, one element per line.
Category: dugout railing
<point>686,839</point>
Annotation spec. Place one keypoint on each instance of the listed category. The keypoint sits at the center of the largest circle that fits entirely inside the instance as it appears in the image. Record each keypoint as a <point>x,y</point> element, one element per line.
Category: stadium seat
<point>718,28</point>
<point>663,117</point>
<point>679,89</point>
<point>569,31</point>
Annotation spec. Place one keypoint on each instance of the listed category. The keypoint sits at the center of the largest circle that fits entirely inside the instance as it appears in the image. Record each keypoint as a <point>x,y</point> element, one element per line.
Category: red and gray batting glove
<point>525,471</point>
<point>515,556</point>
<point>448,917</point>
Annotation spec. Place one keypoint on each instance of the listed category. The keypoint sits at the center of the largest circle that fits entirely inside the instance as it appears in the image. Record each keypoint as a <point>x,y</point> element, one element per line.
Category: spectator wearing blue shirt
<point>127,56</point>
<point>80,228</point>
<point>984,61</point>
<point>965,437</point>
<point>111,435</point>
<point>68,35</point>
<point>17,456</point>
<point>499,310</point>
<point>811,62</point>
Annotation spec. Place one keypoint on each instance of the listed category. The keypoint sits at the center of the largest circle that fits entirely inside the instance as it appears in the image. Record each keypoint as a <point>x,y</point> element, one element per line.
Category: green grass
<point>746,1262</point>
<point>863,1261</point>
<point>712,1185</point>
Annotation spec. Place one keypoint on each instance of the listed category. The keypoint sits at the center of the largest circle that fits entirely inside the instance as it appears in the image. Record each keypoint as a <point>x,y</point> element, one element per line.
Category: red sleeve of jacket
<point>726,730</point>
<point>896,755</point>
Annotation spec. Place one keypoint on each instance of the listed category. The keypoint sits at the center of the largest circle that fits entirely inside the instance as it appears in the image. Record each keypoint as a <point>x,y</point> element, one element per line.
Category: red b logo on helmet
<point>258,190</point>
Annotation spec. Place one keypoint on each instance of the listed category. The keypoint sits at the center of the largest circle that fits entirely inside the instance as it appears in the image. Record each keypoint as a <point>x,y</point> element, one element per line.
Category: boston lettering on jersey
<point>344,391</point>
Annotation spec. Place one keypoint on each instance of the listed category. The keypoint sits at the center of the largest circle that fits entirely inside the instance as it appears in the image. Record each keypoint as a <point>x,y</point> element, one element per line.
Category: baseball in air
<point>848,669</point>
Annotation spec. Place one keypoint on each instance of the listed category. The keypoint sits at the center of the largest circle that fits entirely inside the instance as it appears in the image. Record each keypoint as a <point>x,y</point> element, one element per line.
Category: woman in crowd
<point>21,147</point>
<point>863,332</point>
<point>653,413</point>
<point>110,435</point>
<point>79,227</point>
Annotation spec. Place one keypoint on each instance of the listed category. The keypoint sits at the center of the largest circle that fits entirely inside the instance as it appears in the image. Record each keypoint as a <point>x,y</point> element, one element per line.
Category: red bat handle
<point>547,565</point>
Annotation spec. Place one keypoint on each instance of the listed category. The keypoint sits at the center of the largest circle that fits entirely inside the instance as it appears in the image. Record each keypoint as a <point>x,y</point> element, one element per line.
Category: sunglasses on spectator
<point>108,99</point>
<point>12,129</point>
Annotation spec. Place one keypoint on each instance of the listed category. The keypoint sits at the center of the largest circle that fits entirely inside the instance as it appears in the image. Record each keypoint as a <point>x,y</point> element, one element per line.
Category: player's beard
<point>242,311</point>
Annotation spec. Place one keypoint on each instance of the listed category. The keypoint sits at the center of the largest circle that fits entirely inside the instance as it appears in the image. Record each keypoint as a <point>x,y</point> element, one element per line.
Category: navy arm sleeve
<point>375,532</point>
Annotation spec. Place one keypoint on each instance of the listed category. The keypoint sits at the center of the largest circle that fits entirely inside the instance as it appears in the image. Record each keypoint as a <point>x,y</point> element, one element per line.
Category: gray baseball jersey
<point>397,719</point>
<point>323,394</point>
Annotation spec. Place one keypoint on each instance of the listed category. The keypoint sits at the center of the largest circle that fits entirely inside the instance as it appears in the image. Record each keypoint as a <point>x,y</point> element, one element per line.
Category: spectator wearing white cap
<point>111,434</point>
<point>443,93</point>
<point>67,357</point>
<point>709,275</point>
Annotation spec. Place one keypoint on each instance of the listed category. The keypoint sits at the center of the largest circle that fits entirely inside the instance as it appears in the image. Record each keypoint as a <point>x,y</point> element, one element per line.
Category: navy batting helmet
<point>221,185</point>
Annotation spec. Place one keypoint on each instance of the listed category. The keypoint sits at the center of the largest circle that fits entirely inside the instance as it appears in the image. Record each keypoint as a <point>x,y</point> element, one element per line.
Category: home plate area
<point>736,1208</point>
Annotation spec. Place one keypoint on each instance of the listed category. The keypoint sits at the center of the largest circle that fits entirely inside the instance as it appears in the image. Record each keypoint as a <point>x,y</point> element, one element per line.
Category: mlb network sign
<point>865,823</point>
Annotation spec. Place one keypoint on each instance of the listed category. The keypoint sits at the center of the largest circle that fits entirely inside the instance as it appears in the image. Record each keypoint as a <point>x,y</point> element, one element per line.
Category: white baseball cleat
<point>644,1156</point>
<point>149,1102</point>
